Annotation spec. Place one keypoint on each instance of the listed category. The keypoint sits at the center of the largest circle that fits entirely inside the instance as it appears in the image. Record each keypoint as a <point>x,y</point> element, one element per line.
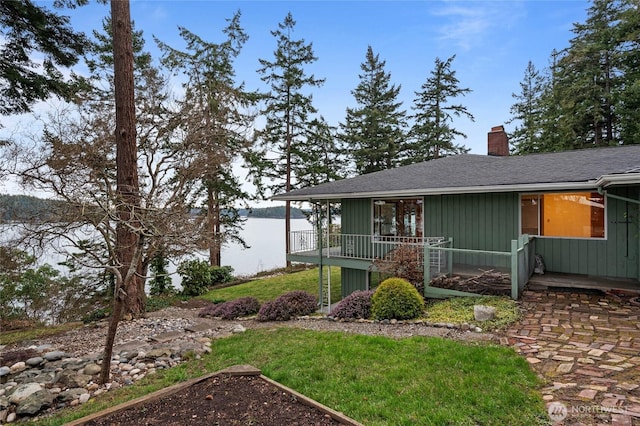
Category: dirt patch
<point>220,400</point>
<point>10,358</point>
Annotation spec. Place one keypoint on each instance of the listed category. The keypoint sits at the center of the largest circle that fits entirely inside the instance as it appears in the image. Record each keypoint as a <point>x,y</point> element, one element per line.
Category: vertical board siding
<point>475,221</point>
<point>353,280</point>
<point>356,216</point>
<point>356,219</point>
<point>605,258</point>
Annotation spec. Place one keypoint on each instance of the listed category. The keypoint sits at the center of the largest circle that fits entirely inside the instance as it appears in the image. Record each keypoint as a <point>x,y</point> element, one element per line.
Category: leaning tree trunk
<point>127,202</point>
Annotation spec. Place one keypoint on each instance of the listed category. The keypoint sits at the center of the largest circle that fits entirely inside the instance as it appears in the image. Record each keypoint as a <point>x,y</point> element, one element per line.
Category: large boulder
<point>35,403</point>
<point>23,391</point>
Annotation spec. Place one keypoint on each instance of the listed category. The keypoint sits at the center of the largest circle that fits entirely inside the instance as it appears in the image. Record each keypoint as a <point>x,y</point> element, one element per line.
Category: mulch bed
<point>220,400</point>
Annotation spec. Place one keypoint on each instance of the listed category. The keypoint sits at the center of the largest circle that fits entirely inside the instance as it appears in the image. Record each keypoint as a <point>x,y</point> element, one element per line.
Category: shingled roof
<point>471,173</point>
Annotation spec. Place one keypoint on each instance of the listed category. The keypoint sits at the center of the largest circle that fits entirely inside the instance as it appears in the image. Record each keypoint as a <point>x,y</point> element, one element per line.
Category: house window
<point>566,214</point>
<point>397,218</point>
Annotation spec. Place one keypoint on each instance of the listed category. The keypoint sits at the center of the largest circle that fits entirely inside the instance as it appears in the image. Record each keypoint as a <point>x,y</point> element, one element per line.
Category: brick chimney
<point>498,143</point>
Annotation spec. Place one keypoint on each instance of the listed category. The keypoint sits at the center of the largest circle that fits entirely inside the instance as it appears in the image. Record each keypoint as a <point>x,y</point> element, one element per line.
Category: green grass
<point>10,337</point>
<point>459,310</point>
<point>375,380</point>
<point>266,289</point>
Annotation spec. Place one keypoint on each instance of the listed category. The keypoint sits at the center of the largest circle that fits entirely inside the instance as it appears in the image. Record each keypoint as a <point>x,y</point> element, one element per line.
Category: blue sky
<point>492,41</point>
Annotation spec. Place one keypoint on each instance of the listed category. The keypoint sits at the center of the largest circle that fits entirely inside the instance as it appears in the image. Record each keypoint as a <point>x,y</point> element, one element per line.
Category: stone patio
<point>586,347</point>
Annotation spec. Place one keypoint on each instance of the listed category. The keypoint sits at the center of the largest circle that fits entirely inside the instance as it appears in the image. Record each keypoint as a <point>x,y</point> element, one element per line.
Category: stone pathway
<point>587,349</point>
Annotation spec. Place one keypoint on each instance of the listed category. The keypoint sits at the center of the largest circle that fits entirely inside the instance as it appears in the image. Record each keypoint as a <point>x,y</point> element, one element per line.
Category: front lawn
<point>376,380</point>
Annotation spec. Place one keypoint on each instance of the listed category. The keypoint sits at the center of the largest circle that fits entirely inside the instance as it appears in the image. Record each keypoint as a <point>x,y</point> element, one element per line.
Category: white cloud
<point>467,25</point>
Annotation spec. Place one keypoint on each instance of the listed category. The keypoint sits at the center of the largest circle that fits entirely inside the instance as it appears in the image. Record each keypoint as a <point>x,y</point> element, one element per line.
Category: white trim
<point>422,192</point>
<point>618,179</point>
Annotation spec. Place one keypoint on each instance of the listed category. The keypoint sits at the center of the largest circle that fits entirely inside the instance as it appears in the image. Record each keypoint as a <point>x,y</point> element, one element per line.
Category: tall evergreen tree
<point>432,135</point>
<point>27,28</point>
<point>128,239</point>
<point>589,75</point>
<point>280,157</point>
<point>527,112</point>
<point>216,127</point>
<point>374,132</point>
<point>627,96</point>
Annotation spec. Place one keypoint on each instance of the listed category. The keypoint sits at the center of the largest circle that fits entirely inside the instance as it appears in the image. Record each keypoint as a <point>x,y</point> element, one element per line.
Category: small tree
<point>405,261</point>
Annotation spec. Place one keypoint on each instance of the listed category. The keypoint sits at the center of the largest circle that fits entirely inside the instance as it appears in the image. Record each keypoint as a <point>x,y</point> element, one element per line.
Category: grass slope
<point>266,289</point>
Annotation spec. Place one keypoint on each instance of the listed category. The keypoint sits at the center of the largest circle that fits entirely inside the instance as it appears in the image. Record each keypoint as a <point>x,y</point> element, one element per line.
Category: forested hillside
<point>23,208</point>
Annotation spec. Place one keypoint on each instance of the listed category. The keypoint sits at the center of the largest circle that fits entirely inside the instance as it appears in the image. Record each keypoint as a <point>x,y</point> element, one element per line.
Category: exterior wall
<point>353,280</point>
<point>490,221</point>
<point>356,216</point>
<point>475,221</point>
<point>355,219</point>
<point>616,256</point>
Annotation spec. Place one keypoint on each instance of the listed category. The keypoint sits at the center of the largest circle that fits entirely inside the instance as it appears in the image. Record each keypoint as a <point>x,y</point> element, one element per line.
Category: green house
<point>578,211</point>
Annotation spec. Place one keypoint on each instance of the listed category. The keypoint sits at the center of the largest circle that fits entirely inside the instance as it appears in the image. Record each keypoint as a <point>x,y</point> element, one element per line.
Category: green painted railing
<point>521,259</point>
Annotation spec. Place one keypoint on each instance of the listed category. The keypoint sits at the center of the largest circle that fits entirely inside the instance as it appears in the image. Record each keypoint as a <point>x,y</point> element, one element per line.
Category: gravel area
<point>90,338</point>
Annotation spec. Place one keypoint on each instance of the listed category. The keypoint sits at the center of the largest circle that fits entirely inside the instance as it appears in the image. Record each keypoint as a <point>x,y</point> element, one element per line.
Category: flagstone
<point>565,368</point>
<point>563,358</point>
<point>588,393</point>
<point>610,367</point>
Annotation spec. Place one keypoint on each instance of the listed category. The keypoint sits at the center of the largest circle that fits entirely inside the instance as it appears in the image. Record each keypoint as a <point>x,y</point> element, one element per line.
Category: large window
<point>566,214</point>
<point>397,218</point>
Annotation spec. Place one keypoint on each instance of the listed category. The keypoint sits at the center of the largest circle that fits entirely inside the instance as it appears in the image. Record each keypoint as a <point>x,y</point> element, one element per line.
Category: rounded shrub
<point>196,277</point>
<point>289,305</point>
<point>357,305</point>
<point>396,298</point>
<point>233,309</point>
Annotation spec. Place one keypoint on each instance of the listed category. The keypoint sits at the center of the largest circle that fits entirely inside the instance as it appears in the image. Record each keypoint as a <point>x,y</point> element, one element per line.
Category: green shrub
<point>221,274</point>
<point>160,283</point>
<point>196,277</point>
<point>396,298</point>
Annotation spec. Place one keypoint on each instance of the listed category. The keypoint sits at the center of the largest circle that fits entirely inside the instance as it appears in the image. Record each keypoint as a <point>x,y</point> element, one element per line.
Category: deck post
<point>450,258</point>
<point>319,236</point>
<point>514,269</point>
<point>427,267</point>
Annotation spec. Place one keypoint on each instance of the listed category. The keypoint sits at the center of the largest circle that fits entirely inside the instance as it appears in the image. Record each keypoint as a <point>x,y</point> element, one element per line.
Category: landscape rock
<point>4,371</point>
<point>54,355</point>
<point>23,391</point>
<point>35,402</point>
<point>70,394</point>
<point>484,313</point>
<point>32,362</point>
<point>18,367</point>
<point>72,379</point>
<point>238,328</point>
<point>91,369</point>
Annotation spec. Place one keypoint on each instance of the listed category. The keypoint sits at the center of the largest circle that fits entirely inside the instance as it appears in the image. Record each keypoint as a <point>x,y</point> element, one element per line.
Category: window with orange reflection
<point>564,214</point>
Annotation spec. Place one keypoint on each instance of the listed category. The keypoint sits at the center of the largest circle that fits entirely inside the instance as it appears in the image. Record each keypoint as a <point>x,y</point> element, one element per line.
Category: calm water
<point>267,240</point>
<point>264,236</point>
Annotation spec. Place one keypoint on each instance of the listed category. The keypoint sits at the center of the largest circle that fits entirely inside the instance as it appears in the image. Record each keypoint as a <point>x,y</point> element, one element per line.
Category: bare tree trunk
<point>287,208</point>
<point>127,240</point>
<point>213,209</point>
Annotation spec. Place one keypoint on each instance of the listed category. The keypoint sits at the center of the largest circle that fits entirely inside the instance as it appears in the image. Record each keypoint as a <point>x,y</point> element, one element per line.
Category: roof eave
<point>618,179</point>
<point>556,186</point>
